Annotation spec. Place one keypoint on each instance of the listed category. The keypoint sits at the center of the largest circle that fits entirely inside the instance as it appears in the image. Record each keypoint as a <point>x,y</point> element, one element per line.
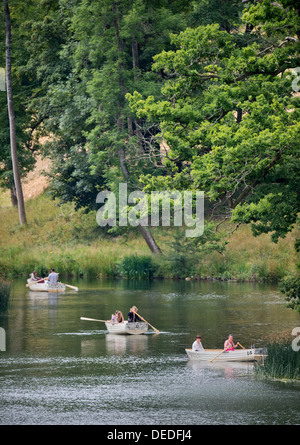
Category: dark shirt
<point>133,317</point>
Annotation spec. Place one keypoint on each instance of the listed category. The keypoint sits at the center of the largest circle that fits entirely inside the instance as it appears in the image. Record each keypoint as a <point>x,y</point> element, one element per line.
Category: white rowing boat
<point>46,286</point>
<point>238,355</point>
<point>126,327</point>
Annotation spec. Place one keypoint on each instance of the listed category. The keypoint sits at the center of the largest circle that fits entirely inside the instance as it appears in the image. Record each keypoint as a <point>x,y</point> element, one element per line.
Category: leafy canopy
<point>229,119</point>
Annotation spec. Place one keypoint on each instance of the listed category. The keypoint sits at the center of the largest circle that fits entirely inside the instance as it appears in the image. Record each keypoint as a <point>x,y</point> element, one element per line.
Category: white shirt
<point>197,346</point>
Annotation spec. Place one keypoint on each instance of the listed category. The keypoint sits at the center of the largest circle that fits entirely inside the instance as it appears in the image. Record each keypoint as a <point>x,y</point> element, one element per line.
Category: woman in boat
<point>133,316</point>
<point>229,345</point>
<point>197,345</point>
<point>120,317</point>
<point>117,317</point>
<point>34,277</point>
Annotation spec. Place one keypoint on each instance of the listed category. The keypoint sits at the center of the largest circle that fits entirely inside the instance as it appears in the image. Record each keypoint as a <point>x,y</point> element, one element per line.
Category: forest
<point>185,95</point>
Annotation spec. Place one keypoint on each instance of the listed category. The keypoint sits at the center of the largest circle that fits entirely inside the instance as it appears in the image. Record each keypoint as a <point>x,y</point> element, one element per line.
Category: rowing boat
<point>126,327</point>
<point>46,286</point>
<point>238,355</point>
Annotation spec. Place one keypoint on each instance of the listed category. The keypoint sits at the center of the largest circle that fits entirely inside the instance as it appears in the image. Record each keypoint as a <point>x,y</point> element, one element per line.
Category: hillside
<point>33,185</point>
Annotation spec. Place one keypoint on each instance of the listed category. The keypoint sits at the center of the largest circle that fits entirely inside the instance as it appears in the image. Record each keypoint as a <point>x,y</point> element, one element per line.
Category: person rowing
<point>133,316</point>
<point>229,344</point>
<point>52,277</point>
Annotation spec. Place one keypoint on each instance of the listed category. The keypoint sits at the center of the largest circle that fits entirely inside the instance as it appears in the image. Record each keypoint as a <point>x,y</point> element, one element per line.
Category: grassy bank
<point>72,242</point>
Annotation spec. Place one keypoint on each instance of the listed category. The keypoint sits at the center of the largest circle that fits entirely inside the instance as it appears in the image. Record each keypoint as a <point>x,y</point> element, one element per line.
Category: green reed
<point>133,266</point>
<point>282,362</point>
<point>5,291</point>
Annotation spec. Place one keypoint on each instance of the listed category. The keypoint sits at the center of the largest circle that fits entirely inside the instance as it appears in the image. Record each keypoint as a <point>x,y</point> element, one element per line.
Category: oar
<point>154,329</point>
<point>92,319</point>
<point>218,354</point>
<point>33,282</point>
<point>241,345</point>
<point>72,287</point>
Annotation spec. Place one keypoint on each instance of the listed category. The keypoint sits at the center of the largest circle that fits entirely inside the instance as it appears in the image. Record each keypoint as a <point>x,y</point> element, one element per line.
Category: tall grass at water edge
<point>282,361</point>
<point>5,293</point>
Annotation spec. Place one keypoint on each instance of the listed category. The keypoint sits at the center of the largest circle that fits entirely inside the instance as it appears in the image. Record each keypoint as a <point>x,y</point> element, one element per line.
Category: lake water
<point>58,369</point>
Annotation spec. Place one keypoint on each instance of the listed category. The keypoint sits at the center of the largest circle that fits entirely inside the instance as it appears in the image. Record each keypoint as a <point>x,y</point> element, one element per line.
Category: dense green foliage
<point>162,95</point>
<point>290,286</point>
<point>230,119</point>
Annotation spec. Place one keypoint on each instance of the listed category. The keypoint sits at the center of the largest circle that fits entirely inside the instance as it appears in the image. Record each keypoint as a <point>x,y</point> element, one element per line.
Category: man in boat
<point>52,277</point>
<point>133,316</point>
<point>229,345</point>
<point>197,345</point>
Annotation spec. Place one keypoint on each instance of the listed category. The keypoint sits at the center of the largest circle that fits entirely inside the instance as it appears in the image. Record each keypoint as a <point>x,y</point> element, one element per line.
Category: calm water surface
<point>58,369</point>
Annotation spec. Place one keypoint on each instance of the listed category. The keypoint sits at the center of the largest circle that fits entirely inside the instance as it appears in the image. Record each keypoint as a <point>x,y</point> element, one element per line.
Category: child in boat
<point>117,317</point>
<point>197,345</point>
<point>114,317</point>
<point>120,317</point>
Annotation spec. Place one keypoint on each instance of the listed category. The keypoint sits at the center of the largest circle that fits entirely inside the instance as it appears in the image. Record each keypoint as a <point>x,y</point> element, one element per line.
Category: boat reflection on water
<point>122,344</point>
<point>45,297</point>
<point>115,344</point>
<point>230,369</point>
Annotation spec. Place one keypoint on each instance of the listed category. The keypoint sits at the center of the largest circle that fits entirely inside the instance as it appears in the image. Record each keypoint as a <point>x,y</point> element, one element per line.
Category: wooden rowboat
<point>238,355</point>
<point>126,327</point>
<point>46,286</point>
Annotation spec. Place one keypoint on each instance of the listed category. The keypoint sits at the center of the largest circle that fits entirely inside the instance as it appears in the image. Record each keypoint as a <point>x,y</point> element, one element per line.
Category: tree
<point>230,119</point>
<point>11,113</point>
<point>100,50</point>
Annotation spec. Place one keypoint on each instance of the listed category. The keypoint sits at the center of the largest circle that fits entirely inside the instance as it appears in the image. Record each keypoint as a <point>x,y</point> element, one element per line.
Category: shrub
<point>133,266</point>
<point>291,288</point>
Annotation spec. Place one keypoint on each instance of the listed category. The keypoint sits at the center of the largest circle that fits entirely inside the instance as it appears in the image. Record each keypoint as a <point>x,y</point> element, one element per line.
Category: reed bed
<point>5,293</point>
<point>283,360</point>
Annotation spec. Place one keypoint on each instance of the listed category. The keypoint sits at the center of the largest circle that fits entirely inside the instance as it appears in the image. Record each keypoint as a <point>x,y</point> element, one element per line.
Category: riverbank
<point>72,242</point>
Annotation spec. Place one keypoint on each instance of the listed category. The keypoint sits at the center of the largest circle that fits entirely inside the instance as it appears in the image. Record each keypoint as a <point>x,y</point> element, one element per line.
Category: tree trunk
<point>151,243</point>
<point>11,115</point>
<point>13,196</point>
